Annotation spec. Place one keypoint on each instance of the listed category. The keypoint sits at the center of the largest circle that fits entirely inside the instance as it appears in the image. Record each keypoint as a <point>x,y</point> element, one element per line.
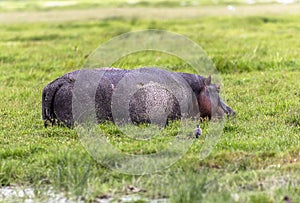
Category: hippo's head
<point>210,103</point>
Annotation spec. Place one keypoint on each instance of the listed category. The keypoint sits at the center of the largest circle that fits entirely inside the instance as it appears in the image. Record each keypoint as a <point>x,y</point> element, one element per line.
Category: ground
<point>256,54</point>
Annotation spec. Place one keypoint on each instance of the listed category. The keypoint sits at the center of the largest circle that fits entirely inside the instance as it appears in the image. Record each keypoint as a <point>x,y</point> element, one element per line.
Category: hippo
<point>144,103</point>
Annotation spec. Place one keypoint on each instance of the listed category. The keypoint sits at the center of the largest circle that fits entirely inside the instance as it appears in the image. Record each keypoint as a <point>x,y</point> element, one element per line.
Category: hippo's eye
<point>214,89</point>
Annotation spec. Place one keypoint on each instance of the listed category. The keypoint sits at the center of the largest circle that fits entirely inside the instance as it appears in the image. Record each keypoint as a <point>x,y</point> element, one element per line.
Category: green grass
<point>256,159</point>
<point>44,5</point>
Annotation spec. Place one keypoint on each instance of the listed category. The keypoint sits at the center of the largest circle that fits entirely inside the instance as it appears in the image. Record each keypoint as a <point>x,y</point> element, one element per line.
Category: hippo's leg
<point>63,105</point>
<point>103,99</point>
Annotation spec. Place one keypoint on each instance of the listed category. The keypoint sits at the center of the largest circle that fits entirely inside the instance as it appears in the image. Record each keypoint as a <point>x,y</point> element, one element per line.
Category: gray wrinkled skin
<point>149,99</point>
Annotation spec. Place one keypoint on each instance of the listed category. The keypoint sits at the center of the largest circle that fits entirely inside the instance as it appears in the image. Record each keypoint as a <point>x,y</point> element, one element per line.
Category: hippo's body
<point>57,97</point>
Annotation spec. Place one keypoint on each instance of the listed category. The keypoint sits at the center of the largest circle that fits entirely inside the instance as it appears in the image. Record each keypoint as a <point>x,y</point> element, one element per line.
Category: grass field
<point>45,5</point>
<point>256,159</point>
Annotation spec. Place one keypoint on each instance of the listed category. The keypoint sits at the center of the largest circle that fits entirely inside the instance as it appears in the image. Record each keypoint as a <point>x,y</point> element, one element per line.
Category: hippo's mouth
<point>226,109</point>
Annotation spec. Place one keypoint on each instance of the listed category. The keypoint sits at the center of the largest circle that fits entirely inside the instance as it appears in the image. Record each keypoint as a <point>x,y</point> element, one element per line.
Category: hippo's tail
<point>48,97</point>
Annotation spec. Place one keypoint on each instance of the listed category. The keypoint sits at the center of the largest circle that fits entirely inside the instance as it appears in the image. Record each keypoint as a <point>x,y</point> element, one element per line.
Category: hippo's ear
<point>207,81</point>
